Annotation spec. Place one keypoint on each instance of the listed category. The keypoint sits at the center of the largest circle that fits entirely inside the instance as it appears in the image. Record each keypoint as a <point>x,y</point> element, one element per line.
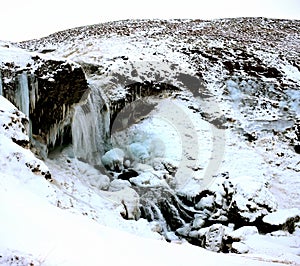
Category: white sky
<point>27,19</point>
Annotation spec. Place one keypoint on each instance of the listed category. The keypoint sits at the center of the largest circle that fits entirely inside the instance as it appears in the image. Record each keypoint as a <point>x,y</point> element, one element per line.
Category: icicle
<point>22,93</point>
<point>1,88</point>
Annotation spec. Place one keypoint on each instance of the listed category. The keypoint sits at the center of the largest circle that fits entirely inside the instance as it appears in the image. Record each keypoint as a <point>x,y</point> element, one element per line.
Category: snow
<point>138,151</point>
<point>239,247</point>
<point>7,105</point>
<point>148,179</point>
<point>55,237</point>
<point>16,55</point>
<point>243,232</point>
<point>34,230</point>
<point>285,248</point>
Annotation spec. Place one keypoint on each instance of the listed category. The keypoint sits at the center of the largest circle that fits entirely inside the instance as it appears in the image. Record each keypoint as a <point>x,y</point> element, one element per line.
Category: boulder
<point>211,238</point>
<point>283,219</point>
<point>148,179</point>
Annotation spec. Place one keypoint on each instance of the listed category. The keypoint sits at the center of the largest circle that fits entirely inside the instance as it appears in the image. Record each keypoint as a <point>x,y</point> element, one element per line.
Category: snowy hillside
<point>132,134</point>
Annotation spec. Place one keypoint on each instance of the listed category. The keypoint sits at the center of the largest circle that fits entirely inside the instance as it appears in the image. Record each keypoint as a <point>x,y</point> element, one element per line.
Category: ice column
<point>34,92</point>
<point>22,93</point>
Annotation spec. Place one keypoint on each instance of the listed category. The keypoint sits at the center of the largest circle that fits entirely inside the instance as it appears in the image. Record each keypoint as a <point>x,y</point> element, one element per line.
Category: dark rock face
<point>127,174</point>
<point>135,92</point>
<point>56,96</point>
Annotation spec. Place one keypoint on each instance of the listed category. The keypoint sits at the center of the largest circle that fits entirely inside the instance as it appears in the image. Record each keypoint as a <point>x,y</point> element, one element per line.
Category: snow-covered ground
<point>38,228</point>
<point>42,223</point>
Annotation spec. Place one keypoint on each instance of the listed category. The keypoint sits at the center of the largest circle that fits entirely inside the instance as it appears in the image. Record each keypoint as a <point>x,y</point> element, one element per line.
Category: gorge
<point>191,125</point>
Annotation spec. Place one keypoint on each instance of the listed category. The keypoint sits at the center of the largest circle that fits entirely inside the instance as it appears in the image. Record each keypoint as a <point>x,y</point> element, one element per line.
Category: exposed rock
<point>211,238</point>
<point>297,149</point>
<point>124,114</point>
<point>127,174</point>
<point>161,204</point>
<point>39,168</point>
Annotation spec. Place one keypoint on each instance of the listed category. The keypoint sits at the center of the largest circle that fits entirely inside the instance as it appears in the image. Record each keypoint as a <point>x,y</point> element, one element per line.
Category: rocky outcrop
<point>45,90</point>
<point>134,93</point>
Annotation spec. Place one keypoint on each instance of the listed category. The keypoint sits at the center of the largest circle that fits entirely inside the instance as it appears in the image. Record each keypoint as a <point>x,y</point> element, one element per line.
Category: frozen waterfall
<point>90,127</point>
<point>22,93</point>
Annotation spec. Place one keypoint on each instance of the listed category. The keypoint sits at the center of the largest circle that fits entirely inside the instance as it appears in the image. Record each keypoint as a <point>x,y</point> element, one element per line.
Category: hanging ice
<point>90,128</point>
<point>34,92</point>
<point>22,93</point>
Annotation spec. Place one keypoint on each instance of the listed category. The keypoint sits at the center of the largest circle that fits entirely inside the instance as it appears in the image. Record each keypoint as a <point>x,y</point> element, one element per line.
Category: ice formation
<point>138,152</point>
<point>90,128</point>
<point>113,159</point>
<point>22,93</point>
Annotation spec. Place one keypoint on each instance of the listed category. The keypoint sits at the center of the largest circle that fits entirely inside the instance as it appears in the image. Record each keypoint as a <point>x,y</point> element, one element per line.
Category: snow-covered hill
<point>179,130</point>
